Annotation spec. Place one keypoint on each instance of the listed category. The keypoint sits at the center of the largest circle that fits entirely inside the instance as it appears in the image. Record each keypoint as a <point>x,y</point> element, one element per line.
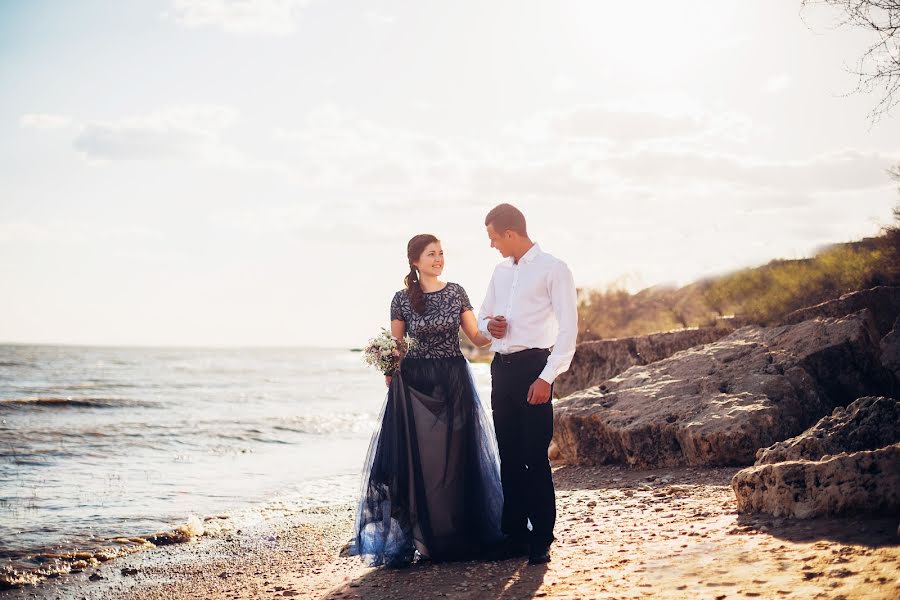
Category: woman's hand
<point>482,341</point>
<point>387,380</point>
<point>469,325</point>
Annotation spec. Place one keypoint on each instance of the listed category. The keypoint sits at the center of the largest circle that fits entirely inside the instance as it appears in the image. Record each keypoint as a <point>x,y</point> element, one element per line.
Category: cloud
<point>591,150</point>
<point>328,221</point>
<point>846,170</point>
<point>631,125</point>
<point>385,174</point>
<point>587,154</point>
<point>545,179</point>
<point>267,17</point>
<point>187,131</point>
<point>626,126</point>
<point>44,121</point>
<point>267,220</point>
<point>337,148</point>
<point>379,18</point>
<point>73,232</point>
<point>562,83</point>
<point>777,84</point>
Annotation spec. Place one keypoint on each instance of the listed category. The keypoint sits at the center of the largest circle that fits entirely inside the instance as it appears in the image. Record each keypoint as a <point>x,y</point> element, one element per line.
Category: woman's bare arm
<point>398,330</point>
<point>469,325</point>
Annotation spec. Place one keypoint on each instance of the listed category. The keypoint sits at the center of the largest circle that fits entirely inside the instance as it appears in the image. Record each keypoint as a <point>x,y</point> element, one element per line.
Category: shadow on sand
<point>500,580</point>
<point>873,531</point>
<point>870,530</point>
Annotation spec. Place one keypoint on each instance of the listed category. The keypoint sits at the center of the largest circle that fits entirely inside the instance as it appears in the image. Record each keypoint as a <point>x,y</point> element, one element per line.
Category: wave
<point>31,568</point>
<point>70,402</point>
<point>91,385</point>
<point>327,424</point>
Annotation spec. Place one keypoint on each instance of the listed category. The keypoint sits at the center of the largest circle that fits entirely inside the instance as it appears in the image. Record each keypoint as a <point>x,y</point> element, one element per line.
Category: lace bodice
<point>436,332</point>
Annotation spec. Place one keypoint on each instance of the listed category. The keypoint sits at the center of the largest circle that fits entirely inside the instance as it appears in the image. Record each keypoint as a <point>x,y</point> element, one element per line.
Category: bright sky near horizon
<point>215,172</point>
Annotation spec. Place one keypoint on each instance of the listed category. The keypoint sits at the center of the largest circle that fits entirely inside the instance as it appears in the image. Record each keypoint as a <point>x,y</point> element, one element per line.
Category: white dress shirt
<point>537,296</point>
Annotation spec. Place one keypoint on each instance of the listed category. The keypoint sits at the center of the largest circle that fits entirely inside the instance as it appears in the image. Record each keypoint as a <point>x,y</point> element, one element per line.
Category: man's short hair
<point>506,216</point>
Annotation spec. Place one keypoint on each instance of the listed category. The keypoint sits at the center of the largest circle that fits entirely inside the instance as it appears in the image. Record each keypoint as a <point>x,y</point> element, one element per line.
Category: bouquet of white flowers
<point>385,352</point>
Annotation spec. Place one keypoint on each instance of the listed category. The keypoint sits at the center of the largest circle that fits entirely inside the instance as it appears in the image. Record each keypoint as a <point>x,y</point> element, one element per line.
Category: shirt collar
<point>532,254</point>
<point>528,257</point>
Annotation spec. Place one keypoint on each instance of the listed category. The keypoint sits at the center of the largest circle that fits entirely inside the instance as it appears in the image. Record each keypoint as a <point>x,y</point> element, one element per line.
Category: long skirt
<point>431,481</point>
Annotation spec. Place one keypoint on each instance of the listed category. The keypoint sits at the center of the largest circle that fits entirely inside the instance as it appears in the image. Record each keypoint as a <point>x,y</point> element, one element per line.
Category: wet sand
<point>666,533</point>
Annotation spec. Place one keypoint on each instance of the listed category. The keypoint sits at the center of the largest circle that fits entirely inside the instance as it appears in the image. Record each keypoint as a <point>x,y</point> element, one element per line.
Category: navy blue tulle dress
<point>431,481</point>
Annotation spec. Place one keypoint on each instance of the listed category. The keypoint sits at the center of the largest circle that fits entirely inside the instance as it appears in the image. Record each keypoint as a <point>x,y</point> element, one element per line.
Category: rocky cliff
<point>718,403</point>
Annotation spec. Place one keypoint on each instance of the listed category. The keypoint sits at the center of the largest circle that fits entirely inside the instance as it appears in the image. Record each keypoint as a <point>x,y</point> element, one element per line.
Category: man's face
<point>500,240</point>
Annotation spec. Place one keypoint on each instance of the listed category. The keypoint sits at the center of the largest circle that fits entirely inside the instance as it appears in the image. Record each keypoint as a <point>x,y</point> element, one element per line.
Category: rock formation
<point>866,424</point>
<point>890,353</point>
<point>882,301</point>
<point>867,481</point>
<point>595,362</point>
<point>717,404</point>
<point>847,462</point>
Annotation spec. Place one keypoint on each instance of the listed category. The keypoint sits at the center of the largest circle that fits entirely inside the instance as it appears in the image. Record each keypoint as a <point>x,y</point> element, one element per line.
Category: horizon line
<point>180,346</point>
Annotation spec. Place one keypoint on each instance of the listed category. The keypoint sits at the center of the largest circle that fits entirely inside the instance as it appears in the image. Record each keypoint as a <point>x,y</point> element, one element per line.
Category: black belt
<point>521,355</point>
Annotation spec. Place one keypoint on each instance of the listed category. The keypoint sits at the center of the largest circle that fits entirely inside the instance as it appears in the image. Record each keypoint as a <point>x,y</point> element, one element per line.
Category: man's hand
<point>539,392</point>
<point>387,380</point>
<point>497,326</point>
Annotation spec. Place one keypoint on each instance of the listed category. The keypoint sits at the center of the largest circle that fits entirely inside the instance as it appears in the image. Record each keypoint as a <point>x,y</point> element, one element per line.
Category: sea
<point>106,451</point>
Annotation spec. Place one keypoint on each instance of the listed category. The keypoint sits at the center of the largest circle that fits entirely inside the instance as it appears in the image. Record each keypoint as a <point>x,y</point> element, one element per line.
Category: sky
<point>247,173</point>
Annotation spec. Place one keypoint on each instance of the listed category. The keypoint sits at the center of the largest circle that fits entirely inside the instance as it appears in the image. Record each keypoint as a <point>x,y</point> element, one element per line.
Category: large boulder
<point>847,462</point>
<point>890,353</point>
<point>866,424</point>
<point>883,301</point>
<point>859,482</point>
<point>717,404</point>
<point>595,362</point>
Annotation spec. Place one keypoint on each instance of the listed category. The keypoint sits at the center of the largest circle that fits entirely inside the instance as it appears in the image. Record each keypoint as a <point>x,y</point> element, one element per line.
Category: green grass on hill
<point>760,294</point>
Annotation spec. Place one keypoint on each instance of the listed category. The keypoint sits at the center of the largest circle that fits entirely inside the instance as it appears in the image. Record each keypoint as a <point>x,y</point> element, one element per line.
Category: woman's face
<point>431,261</point>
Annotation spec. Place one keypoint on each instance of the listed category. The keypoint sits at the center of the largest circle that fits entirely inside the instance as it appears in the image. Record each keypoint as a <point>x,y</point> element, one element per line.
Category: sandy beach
<point>664,533</point>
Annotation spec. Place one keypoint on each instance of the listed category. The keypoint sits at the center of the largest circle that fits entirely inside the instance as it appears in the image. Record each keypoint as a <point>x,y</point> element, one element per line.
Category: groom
<point>530,311</point>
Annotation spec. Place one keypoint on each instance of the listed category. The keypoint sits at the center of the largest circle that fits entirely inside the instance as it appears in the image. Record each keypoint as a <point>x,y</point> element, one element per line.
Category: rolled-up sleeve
<point>565,307</point>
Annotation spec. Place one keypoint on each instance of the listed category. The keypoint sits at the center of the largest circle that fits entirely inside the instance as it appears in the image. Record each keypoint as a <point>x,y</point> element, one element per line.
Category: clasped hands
<point>539,391</point>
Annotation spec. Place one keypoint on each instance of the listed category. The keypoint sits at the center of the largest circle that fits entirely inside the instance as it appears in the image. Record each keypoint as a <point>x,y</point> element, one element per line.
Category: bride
<point>431,483</point>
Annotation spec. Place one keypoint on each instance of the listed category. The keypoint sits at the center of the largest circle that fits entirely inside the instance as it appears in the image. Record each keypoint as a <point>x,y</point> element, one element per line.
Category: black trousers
<point>523,436</point>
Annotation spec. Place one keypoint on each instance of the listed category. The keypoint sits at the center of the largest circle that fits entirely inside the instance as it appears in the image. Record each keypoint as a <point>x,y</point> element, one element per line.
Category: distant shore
<point>667,533</point>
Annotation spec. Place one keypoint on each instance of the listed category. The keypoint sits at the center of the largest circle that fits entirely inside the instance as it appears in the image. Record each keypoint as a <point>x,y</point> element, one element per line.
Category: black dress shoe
<point>507,549</point>
<point>539,555</point>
